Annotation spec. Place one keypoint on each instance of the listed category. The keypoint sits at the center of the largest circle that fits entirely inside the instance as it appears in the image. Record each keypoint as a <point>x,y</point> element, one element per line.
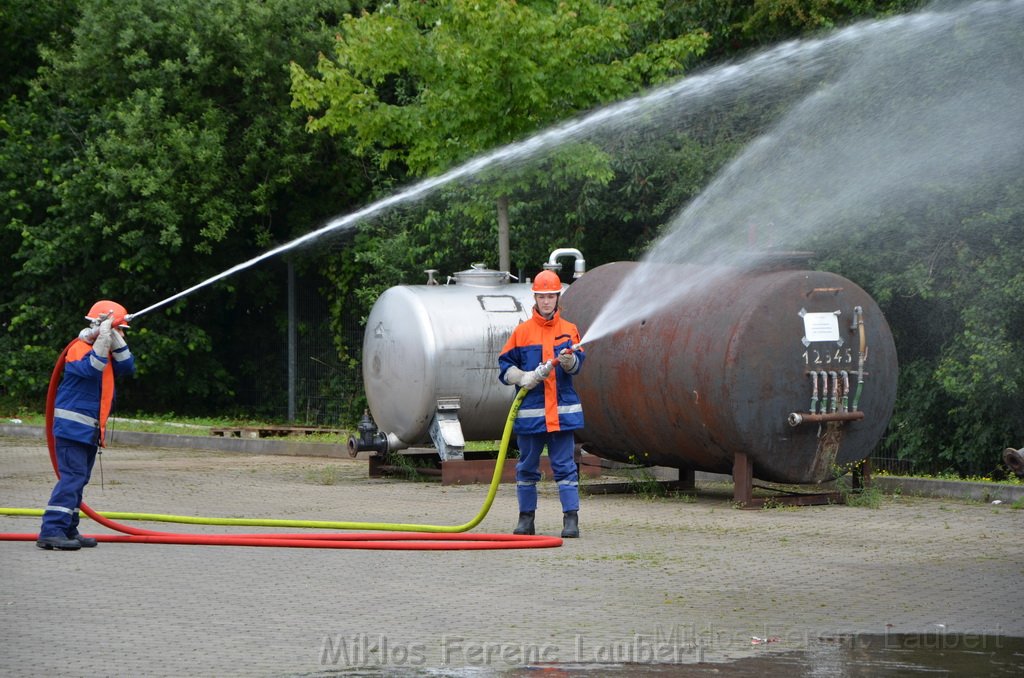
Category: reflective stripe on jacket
<point>86,392</point>
<point>554,404</point>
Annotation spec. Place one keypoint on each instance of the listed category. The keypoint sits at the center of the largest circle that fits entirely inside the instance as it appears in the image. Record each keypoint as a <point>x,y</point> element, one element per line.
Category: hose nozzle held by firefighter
<point>544,369</point>
<point>568,360</point>
<point>89,334</point>
<point>107,322</point>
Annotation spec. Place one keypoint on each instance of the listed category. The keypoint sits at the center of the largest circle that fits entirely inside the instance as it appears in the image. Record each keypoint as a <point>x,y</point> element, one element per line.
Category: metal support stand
<point>446,431</point>
<point>743,480</point>
<point>743,490</point>
<point>862,476</point>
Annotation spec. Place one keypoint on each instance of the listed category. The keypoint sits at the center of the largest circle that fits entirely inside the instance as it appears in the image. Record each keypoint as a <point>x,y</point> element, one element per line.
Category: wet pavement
<point>655,586</point>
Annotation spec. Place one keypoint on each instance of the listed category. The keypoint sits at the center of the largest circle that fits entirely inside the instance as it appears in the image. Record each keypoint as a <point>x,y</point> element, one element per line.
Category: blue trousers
<point>561,445</point>
<point>74,463</point>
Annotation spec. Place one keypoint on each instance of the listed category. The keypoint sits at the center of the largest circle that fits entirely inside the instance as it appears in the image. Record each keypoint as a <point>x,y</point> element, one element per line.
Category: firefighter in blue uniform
<point>548,415</point>
<point>81,407</point>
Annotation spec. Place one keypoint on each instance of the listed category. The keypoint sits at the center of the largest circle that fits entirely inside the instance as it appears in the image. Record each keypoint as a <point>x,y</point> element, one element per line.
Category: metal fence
<point>307,383</point>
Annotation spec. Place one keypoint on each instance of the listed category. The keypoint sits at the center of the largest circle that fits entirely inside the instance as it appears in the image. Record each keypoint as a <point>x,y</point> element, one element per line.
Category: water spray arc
<point>810,56</point>
<point>902,117</point>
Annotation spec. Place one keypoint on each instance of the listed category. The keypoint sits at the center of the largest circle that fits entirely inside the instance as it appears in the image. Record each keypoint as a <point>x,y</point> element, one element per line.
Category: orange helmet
<point>547,282</point>
<point>101,308</point>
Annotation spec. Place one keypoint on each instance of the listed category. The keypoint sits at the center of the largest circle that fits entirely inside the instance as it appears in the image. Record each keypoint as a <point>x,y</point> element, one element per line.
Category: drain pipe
<point>796,418</point>
<point>579,268</point>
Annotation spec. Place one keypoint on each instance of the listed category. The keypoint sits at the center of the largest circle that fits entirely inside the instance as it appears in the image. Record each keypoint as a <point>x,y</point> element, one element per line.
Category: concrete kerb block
<point>281,446</point>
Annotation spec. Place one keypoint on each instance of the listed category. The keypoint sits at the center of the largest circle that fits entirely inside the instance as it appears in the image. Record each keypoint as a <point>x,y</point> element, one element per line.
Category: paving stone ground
<point>662,579</point>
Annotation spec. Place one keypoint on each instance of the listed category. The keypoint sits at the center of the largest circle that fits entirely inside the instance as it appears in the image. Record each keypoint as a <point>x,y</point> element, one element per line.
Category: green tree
<point>155,145</point>
<point>427,85</point>
<point>25,25</point>
<point>736,26</point>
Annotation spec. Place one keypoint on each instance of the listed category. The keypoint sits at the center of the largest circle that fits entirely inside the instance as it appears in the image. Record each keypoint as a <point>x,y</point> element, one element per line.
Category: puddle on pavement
<point>867,656</point>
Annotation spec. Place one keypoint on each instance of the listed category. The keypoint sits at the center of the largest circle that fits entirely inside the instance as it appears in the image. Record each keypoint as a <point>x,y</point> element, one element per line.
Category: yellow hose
<point>499,463</point>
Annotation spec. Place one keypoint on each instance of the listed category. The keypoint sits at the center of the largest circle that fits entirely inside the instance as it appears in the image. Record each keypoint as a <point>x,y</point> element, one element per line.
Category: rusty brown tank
<point>725,371</point>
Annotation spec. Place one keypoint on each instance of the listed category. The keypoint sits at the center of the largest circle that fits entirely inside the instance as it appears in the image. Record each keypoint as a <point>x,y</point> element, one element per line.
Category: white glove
<point>568,361</point>
<point>88,335</point>
<point>526,380</point>
<point>117,340</point>
<point>529,380</point>
<point>101,346</point>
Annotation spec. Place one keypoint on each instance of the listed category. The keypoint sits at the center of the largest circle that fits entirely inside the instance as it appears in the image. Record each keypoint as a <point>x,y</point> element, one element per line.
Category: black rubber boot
<point>570,525</point>
<point>59,543</point>
<point>83,541</point>
<point>525,525</point>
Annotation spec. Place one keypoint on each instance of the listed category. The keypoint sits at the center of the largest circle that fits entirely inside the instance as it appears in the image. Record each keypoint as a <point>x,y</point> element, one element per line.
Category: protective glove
<point>88,335</point>
<point>567,359</point>
<point>101,346</point>
<point>530,380</point>
<point>525,380</point>
<point>117,340</point>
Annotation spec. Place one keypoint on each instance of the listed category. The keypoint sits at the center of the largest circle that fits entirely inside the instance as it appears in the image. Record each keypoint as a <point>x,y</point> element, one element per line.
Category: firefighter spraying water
<point>549,414</point>
<point>83,403</point>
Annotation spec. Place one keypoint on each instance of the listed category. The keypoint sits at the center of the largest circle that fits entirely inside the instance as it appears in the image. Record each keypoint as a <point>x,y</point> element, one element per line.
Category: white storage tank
<point>430,352</point>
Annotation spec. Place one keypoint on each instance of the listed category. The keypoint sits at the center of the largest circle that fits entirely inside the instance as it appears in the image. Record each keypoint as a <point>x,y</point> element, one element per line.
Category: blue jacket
<point>554,404</point>
<point>86,392</point>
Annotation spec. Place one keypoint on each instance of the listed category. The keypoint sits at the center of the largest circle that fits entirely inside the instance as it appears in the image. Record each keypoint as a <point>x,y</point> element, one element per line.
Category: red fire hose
<point>396,541</point>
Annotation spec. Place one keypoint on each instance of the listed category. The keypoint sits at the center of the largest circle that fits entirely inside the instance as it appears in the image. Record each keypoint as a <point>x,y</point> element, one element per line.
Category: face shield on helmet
<point>101,308</point>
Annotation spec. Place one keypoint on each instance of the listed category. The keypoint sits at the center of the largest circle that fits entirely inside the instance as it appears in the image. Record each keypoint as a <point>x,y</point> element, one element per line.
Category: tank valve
<point>369,439</point>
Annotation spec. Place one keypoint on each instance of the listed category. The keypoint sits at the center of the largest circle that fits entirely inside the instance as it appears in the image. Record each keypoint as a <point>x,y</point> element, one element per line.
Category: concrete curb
<point>281,446</point>
<point>959,489</point>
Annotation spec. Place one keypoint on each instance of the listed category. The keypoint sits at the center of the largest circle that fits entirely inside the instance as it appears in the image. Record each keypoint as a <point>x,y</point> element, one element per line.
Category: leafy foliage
<point>181,156</point>
<point>425,86</point>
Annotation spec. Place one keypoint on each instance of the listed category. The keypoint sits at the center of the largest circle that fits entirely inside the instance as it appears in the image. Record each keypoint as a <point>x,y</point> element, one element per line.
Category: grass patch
<point>866,498</point>
<point>643,484</point>
<point>324,475</point>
